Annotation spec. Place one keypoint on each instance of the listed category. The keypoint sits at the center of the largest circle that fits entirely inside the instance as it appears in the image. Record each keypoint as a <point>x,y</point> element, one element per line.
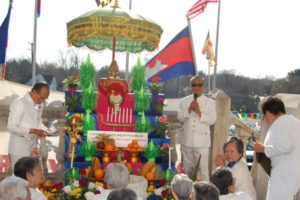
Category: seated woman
<point>222,178</point>
<point>14,188</point>
<point>182,187</point>
<point>233,153</point>
<point>29,168</point>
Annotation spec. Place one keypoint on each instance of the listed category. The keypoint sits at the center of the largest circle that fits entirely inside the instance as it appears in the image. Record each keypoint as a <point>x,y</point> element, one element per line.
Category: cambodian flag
<point>175,60</point>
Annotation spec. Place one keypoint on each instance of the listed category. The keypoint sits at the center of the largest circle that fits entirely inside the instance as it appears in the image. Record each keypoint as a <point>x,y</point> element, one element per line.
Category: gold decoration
<point>113,70</point>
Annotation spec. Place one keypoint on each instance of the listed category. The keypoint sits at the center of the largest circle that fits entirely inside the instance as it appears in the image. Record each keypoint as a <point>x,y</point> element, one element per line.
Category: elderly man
<point>14,188</point>
<point>25,122</point>
<point>197,113</point>
<point>182,187</point>
<point>282,147</point>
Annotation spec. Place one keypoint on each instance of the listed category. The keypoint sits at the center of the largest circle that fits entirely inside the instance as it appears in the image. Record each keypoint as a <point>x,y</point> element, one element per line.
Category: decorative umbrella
<point>115,29</point>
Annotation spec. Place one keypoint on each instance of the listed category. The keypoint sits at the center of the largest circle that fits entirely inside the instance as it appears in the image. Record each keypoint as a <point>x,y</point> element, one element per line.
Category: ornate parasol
<point>115,29</point>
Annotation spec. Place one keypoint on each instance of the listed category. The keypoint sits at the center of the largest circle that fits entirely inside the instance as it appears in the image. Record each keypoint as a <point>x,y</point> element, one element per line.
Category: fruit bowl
<point>106,154</point>
<point>134,154</point>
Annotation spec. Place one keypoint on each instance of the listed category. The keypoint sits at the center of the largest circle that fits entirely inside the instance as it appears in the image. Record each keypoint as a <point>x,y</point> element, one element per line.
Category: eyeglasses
<point>197,84</point>
<point>42,98</point>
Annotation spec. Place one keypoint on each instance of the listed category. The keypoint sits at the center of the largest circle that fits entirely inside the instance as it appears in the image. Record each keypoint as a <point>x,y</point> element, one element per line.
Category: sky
<point>256,38</point>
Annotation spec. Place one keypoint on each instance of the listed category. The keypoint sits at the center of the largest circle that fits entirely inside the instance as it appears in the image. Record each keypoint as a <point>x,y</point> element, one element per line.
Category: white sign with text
<point>122,139</point>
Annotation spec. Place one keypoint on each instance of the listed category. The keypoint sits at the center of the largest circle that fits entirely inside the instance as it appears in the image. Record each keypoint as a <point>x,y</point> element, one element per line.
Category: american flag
<point>198,8</point>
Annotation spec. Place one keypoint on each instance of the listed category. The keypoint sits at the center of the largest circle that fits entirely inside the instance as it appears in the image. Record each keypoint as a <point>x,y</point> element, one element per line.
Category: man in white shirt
<point>197,113</point>
<point>282,147</point>
<point>25,122</point>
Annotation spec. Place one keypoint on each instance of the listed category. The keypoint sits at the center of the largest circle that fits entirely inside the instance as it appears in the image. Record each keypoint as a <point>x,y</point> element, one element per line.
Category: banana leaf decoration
<point>138,77</point>
<point>141,101</point>
<point>143,125</point>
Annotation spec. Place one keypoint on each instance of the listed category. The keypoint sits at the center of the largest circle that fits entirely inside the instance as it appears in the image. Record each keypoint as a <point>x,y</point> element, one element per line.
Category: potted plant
<point>163,126</point>
<point>155,86</point>
<point>158,106</point>
<point>71,82</point>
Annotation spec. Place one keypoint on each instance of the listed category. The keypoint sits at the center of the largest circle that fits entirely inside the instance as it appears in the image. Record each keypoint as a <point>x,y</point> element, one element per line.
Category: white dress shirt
<point>236,196</point>
<point>24,114</point>
<point>282,147</point>
<point>197,129</point>
<point>244,182</point>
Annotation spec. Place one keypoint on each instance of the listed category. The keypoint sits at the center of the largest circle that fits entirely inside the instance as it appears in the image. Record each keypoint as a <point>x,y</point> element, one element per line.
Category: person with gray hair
<point>123,193</point>
<point>14,188</point>
<point>116,176</point>
<point>182,187</point>
<point>205,191</point>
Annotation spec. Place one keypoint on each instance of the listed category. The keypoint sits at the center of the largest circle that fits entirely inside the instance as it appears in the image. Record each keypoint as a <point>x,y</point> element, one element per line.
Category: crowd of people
<point>197,112</point>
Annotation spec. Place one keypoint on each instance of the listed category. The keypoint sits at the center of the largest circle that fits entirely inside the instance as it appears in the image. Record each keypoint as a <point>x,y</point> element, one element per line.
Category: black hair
<point>205,191</point>
<point>25,165</point>
<point>222,178</point>
<point>274,105</point>
<point>122,193</point>
<point>238,142</point>
<point>38,86</point>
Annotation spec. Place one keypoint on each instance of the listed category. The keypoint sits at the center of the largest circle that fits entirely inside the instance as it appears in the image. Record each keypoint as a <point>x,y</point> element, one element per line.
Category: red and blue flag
<point>175,60</point>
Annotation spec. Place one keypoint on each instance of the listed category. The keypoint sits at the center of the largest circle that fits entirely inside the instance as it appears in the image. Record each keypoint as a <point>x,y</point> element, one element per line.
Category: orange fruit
<point>134,142</point>
<point>99,174</point>
<point>88,170</point>
<point>149,176</point>
<point>109,147</point>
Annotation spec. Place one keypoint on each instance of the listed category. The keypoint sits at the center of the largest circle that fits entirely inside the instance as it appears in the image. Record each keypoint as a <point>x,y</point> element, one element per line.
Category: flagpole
<point>127,54</point>
<point>216,49</point>
<point>3,71</point>
<point>208,85</point>
<point>34,43</point>
<point>192,44</point>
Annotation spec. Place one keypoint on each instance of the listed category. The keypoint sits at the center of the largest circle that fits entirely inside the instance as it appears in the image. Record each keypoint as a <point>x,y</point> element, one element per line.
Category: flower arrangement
<point>81,190</point>
<point>164,149</point>
<point>163,125</point>
<point>52,191</point>
<point>71,80</point>
<point>155,86</point>
<point>158,105</point>
<point>74,121</point>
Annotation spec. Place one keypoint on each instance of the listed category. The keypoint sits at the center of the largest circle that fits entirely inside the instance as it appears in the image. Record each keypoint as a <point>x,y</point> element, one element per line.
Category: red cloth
<point>111,122</point>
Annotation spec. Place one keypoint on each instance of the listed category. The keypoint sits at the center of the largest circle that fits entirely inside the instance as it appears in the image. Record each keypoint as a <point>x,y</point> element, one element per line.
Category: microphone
<point>195,96</point>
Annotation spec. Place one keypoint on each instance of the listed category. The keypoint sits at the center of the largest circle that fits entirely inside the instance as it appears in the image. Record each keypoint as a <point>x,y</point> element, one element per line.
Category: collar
<point>231,164</point>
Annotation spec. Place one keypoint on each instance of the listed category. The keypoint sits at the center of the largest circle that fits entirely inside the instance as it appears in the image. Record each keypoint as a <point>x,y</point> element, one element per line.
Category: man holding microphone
<point>197,112</point>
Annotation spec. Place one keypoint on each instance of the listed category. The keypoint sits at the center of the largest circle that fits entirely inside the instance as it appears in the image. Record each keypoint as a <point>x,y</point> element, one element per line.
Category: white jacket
<point>23,115</point>
<point>197,130</point>
<point>282,147</point>
<point>236,196</point>
<point>244,182</point>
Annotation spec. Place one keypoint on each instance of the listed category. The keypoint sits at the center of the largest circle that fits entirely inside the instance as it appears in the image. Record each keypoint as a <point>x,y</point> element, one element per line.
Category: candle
<point>170,148</point>
<point>123,114</point>
<point>107,114</point>
<point>126,115</point>
<point>111,115</point>
<point>119,115</point>
<point>130,115</point>
<point>115,114</point>
<point>72,156</point>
